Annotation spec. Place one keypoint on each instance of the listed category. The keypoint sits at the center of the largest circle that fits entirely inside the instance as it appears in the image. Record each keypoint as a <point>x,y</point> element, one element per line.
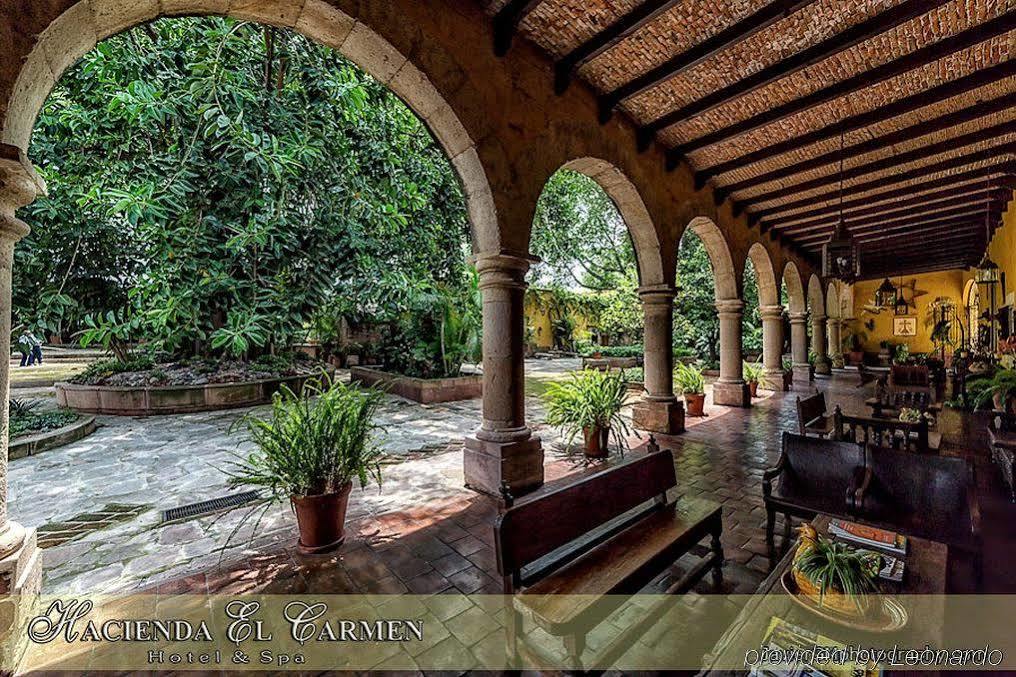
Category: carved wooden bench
<point>812,418</point>
<point>571,556</point>
<point>1002,436</point>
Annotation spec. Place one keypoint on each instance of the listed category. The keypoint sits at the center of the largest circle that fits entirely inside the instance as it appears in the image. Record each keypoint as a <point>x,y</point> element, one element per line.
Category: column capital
<point>818,319</point>
<point>503,268</point>
<point>832,321</point>
<point>730,306</point>
<point>771,312</point>
<point>657,294</point>
<point>20,184</point>
<point>798,318</point>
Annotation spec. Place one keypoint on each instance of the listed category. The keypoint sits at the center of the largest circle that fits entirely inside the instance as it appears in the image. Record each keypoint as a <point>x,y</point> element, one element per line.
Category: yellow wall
<point>948,283</point>
<point>539,319</point>
<point>1002,251</point>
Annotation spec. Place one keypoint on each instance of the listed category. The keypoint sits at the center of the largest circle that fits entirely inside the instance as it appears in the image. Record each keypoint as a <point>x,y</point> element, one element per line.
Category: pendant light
<point>885,295</point>
<point>987,270</point>
<point>839,253</point>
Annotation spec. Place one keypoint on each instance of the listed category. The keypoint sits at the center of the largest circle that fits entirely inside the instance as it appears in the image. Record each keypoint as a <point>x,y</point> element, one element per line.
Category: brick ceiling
<point>758,96</point>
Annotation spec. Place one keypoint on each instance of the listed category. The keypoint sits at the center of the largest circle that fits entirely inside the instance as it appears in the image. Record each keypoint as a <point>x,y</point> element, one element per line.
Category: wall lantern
<point>885,295</point>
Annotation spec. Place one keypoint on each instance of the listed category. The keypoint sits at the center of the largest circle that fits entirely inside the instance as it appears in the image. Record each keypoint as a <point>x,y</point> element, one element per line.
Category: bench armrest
<point>772,473</point>
<point>858,488</point>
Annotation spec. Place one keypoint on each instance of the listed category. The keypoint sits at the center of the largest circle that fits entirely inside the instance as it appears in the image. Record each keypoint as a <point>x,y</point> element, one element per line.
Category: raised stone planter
<point>423,390</point>
<point>30,445</point>
<point>610,363</point>
<point>153,401</point>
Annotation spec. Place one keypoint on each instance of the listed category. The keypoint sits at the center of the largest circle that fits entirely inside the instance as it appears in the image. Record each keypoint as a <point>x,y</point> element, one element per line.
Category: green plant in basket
<point>834,573</point>
<point>589,403</point>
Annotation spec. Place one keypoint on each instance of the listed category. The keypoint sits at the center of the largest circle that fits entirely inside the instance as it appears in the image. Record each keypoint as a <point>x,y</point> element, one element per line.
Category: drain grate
<point>210,506</point>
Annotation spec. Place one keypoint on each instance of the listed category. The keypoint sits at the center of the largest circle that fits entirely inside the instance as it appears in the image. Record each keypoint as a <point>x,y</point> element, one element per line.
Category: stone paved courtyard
<point>107,491</point>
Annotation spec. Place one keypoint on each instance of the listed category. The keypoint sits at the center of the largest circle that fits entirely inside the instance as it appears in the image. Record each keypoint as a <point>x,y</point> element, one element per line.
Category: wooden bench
<point>888,433</point>
<point>569,557</point>
<point>1002,437</point>
<point>812,418</point>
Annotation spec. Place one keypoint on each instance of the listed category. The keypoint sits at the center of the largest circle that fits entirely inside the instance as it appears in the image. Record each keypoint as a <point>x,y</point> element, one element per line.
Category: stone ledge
<point>422,390</point>
<point>30,445</point>
<point>156,401</point>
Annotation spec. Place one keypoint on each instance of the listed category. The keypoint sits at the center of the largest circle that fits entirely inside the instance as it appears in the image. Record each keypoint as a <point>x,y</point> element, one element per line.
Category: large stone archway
<point>730,388</point>
<point>798,306</point>
<point>817,308</point>
<point>771,313</point>
<point>834,323</point>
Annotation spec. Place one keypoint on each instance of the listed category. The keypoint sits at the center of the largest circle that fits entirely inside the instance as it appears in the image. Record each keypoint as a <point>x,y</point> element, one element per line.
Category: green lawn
<point>48,372</point>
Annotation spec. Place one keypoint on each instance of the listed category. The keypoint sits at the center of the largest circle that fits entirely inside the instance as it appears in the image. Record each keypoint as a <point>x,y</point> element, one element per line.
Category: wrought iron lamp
<point>839,253</point>
<point>987,271</point>
<point>885,295</point>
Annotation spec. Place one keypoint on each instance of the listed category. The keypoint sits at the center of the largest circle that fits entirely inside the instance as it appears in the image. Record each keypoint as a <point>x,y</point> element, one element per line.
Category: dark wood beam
<point>855,35</point>
<point>937,94</point>
<point>760,20</point>
<point>897,265</point>
<point>995,197</point>
<point>923,153</point>
<point>915,131</point>
<point>958,218</point>
<point>985,155</point>
<point>507,21</point>
<point>606,39</point>
<point>920,57</point>
<point>980,189</point>
<point>887,262</point>
<point>990,173</point>
<point>917,270</point>
<point>971,231</point>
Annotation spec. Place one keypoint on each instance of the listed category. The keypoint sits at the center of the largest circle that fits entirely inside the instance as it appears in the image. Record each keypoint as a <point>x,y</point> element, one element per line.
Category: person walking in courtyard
<point>35,347</point>
<point>25,346</point>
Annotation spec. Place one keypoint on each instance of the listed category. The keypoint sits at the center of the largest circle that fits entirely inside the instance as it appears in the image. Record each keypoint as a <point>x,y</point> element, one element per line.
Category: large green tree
<point>215,183</point>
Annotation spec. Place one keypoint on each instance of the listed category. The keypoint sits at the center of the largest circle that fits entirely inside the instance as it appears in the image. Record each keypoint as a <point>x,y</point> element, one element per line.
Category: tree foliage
<point>216,183</point>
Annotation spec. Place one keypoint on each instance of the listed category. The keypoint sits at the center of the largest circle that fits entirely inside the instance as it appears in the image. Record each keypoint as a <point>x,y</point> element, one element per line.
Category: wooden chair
<point>812,418</point>
<point>1002,436</point>
<point>571,556</point>
<point>888,433</point>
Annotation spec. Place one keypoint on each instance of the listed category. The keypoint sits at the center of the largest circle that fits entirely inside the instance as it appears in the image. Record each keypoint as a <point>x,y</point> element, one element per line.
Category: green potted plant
<point>788,373</point>
<point>853,344</point>
<point>689,378</point>
<point>754,372</point>
<point>310,449</point>
<point>589,403</point>
<point>834,575</point>
<point>1000,390</point>
<point>902,354</point>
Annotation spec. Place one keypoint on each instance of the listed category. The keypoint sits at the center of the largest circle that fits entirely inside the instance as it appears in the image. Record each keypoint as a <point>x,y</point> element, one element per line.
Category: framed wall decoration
<point>904,326</point>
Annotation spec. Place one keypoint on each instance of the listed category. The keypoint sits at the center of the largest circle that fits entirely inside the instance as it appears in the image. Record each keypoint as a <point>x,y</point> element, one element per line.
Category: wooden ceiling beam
<point>972,230</point>
<point>999,173</point>
<point>1001,151</point>
<point>995,197</point>
<point>958,218</point>
<point>937,94</point>
<point>991,133</point>
<point>927,200</point>
<point>915,131</point>
<point>507,21</point>
<point>916,59</point>
<point>743,29</point>
<point>844,40</point>
<point>917,270</point>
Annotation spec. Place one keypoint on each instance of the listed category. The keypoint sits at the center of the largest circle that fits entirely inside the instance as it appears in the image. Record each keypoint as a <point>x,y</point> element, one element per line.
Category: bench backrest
<point>809,409</point>
<point>907,376</point>
<point>888,433</point>
<point>818,467</point>
<point>534,528</point>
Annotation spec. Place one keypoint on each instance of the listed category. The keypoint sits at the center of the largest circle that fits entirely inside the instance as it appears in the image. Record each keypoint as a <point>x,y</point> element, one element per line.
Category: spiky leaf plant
<point>833,566</point>
<point>689,379</point>
<point>589,399</point>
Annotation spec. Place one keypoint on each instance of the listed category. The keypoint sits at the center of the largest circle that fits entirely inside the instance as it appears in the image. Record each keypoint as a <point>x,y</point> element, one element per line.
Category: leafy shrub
<point>101,369</point>
<point>26,419</point>
<point>753,371</point>
<point>588,399</point>
<point>621,351</point>
<point>689,379</point>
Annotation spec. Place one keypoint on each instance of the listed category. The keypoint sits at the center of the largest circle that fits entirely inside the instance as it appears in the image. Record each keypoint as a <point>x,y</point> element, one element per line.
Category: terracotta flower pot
<point>753,388</point>
<point>322,520</point>
<point>597,442</point>
<point>695,404</point>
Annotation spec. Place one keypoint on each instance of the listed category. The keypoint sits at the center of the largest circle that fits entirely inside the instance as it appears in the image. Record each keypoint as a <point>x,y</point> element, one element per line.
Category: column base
<point>519,464</point>
<point>659,417</point>
<point>732,394</point>
<point>20,584</point>
<point>773,380</point>
<point>823,366</point>
<point>802,376</point>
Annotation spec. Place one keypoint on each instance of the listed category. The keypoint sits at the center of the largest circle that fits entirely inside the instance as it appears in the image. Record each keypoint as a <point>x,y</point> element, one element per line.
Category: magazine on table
<point>871,537</point>
<point>784,635</point>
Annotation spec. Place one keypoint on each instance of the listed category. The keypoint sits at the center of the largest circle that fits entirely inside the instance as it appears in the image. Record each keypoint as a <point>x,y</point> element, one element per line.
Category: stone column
<point>799,348</point>
<point>772,345</point>
<point>504,449</point>
<point>818,344</point>
<point>20,561</point>
<point>659,410</point>
<point>730,389</point>
<point>835,348</point>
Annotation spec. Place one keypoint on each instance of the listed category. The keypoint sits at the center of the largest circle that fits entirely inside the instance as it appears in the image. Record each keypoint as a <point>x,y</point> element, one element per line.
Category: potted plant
<point>754,372</point>
<point>902,354</point>
<point>834,575</point>
<point>689,378</point>
<point>853,343</point>
<point>788,374</point>
<point>310,449</point>
<point>884,352</point>
<point>1000,389</point>
<point>589,403</point>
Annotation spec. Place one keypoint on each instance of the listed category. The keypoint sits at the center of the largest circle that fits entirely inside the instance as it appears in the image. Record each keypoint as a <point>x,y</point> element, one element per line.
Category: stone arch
<point>87,22</point>
<point>634,213</point>
<point>795,288</point>
<point>816,299</point>
<point>832,303</point>
<point>768,288</point>
<point>715,243</point>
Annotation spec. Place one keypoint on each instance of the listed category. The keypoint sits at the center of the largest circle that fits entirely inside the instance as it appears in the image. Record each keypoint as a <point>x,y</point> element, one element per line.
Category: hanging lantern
<point>885,295</point>
<point>901,307</point>
<point>987,270</point>
<point>839,255</point>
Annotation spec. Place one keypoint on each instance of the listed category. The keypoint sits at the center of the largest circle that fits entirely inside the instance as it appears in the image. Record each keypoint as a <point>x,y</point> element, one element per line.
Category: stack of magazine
<point>891,546</point>
<point>795,640</point>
